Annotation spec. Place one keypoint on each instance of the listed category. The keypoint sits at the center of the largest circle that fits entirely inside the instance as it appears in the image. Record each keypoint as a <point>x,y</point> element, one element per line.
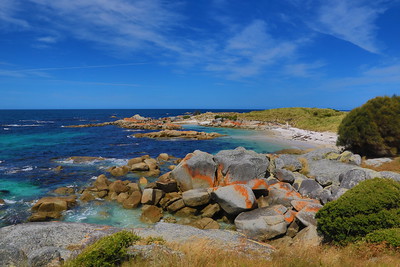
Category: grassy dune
<point>314,119</point>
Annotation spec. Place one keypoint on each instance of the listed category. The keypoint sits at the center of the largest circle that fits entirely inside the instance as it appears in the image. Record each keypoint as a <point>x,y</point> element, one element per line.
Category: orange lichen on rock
<point>311,208</point>
<point>258,184</point>
<point>300,204</point>
<point>289,216</point>
<point>196,175</point>
<point>242,190</point>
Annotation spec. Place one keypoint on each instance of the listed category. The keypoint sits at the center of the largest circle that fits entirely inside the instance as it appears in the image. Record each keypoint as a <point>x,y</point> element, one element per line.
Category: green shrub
<point>373,129</point>
<point>389,236</point>
<point>107,251</point>
<point>186,117</point>
<point>371,205</point>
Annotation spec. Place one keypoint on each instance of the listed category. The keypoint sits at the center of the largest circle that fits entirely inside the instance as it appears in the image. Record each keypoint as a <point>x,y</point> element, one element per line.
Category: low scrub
<point>373,204</point>
<point>393,166</point>
<point>390,237</point>
<point>107,251</point>
<point>314,119</point>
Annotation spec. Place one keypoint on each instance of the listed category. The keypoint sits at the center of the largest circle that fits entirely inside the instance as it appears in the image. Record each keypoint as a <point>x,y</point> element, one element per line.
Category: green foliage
<point>373,129</point>
<point>314,119</point>
<point>227,117</point>
<point>186,117</point>
<point>196,112</point>
<point>389,236</point>
<point>371,205</point>
<point>107,251</point>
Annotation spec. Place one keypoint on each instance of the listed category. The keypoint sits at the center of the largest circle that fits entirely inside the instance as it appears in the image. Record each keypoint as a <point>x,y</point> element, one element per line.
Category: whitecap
<point>130,136</point>
<point>6,129</point>
<point>9,201</point>
<point>133,130</point>
<point>94,178</point>
<point>22,125</point>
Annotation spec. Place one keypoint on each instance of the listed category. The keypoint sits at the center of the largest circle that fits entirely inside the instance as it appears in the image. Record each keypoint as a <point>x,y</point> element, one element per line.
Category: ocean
<point>34,142</point>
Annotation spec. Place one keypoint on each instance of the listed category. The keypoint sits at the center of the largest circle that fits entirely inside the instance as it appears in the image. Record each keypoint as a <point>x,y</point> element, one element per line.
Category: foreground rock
<point>54,242</point>
<point>180,134</point>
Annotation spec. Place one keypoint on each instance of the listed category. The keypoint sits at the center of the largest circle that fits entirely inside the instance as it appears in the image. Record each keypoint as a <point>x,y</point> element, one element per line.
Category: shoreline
<point>280,134</point>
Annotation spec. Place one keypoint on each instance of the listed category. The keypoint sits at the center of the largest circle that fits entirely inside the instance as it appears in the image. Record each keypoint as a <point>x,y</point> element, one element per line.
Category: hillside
<point>314,119</point>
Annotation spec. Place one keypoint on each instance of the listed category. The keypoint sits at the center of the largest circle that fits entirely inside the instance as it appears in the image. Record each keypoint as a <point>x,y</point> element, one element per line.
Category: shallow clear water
<point>34,142</point>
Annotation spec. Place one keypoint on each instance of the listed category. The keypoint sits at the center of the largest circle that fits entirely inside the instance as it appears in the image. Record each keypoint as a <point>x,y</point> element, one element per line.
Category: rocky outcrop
<point>234,199</point>
<point>240,166</point>
<point>263,223</point>
<point>48,208</point>
<point>179,134</point>
<point>196,170</point>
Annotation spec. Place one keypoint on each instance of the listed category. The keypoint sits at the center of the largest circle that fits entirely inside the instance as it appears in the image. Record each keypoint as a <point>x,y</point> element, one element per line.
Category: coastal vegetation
<point>107,251</point>
<point>314,119</point>
<point>372,205</point>
<point>373,129</point>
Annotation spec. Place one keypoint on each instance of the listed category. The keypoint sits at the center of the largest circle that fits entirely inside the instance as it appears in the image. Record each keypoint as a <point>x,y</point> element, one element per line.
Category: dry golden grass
<point>203,253</point>
<point>393,166</point>
<point>291,151</point>
<point>305,170</point>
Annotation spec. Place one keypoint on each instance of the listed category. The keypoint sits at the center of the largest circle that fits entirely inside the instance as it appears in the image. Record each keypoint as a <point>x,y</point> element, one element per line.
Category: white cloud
<point>47,39</point>
<point>304,70</point>
<point>249,51</point>
<point>8,10</point>
<point>352,21</point>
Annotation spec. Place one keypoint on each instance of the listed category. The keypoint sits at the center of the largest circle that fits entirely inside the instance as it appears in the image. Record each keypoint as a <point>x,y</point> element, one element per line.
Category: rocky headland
<point>267,197</point>
<point>194,135</point>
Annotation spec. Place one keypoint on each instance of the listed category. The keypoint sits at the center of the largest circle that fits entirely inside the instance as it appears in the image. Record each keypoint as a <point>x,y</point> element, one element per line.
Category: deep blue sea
<point>34,142</point>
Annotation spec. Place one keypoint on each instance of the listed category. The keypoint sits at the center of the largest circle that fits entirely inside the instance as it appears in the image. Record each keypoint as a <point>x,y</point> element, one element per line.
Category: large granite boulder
<point>234,198</point>
<point>240,166</point>
<point>289,162</point>
<point>284,175</point>
<point>151,214</point>
<point>283,194</point>
<point>196,170</point>
<point>196,197</point>
<point>310,188</point>
<point>391,175</point>
<point>353,177</point>
<point>263,223</point>
<point>307,214</point>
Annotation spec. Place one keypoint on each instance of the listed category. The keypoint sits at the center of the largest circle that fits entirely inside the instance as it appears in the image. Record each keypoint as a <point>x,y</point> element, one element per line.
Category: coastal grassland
<point>314,119</point>
<point>202,253</point>
<point>393,166</point>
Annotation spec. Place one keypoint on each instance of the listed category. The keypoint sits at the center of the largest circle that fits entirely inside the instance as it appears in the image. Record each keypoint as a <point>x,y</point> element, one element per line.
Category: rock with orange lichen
<point>307,214</point>
<point>196,170</point>
<point>263,223</point>
<point>240,166</point>
<point>234,198</point>
<point>282,193</point>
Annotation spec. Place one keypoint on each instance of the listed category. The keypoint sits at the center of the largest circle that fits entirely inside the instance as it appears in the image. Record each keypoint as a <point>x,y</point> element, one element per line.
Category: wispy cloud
<point>304,70</point>
<point>43,71</point>
<point>248,51</point>
<point>8,11</point>
<point>352,21</point>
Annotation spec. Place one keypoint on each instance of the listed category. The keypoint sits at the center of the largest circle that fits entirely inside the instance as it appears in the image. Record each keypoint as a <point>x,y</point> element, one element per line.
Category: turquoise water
<point>33,143</point>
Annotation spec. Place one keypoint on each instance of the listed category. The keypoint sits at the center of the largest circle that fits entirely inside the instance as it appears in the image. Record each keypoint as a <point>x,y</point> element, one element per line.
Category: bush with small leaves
<point>107,251</point>
<point>391,237</point>
<point>371,205</point>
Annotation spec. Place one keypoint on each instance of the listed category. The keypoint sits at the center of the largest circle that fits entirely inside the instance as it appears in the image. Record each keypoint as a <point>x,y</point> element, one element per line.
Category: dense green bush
<point>373,129</point>
<point>389,236</point>
<point>107,251</point>
<point>371,205</point>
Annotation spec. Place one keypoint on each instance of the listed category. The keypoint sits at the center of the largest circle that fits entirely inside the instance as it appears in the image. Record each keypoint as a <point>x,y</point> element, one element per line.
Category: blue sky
<point>197,54</point>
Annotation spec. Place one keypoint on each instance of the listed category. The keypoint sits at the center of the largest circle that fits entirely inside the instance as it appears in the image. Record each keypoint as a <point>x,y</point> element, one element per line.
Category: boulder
<point>118,187</point>
<point>119,171</point>
<point>234,198</point>
<point>308,237</point>
<point>122,197</point>
<point>283,194</point>
<point>152,163</point>
<point>337,192</point>
<point>102,194</point>
<point>310,188</point>
<point>353,177</point>
<point>43,216</point>
<point>2,202</point>
<point>205,223</point>
<point>102,183</point>
<point>307,214</point>
<point>45,256</point>
<point>133,187</point>
<point>167,186</point>
<point>284,175</point>
<point>134,161</point>
<point>151,214</point>
<point>12,256</point>
<point>140,167</point>
<point>64,191</point>
<point>169,198</point>
<point>325,196</point>
<point>327,172</point>
<point>186,212</point>
<point>240,166</point>
<point>196,197</point>
<point>289,162</point>
<point>163,156</point>
<point>152,196</point>
<point>210,210</point>
<point>196,170</point>
<point>176,205</point>
<point>132,201</point>
<point>54,204</point>
<point>259,184</point>
<point>263,223</point>
<point>300,204</point>
<point>391,175</point>
<point>293,229</point>
<point>86,196</point>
